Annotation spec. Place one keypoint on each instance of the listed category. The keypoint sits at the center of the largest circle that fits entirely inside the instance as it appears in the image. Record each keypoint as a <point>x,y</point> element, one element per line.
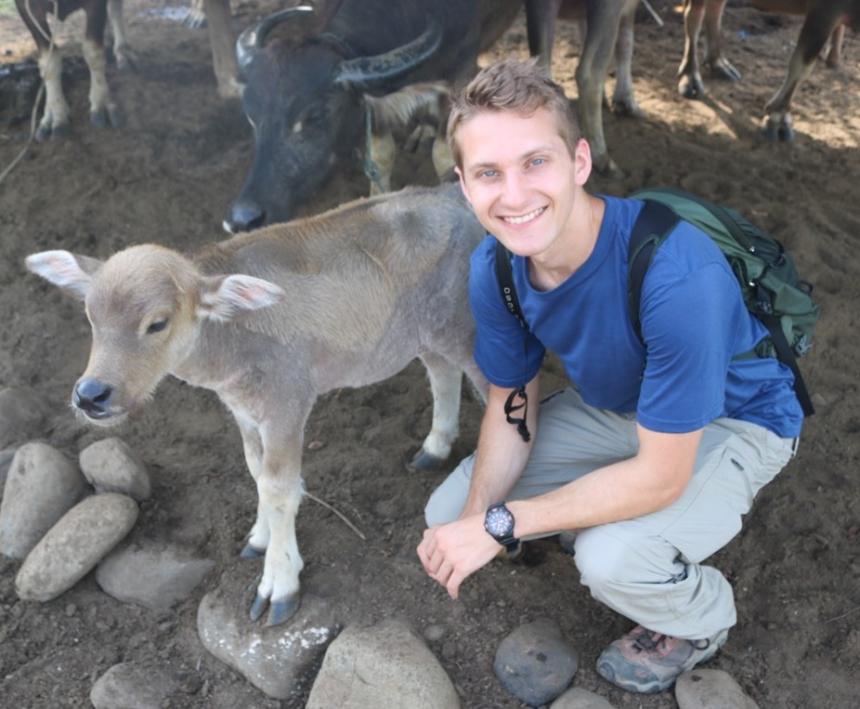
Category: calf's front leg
<point>279,486</point>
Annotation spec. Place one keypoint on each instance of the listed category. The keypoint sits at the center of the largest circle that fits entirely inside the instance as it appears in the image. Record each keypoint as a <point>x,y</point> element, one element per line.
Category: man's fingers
<point>453,585</point>
<point>445,570</point>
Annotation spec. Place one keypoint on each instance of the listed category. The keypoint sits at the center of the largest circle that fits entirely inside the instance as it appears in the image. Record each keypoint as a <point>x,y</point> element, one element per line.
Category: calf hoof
<point>281,611</point>
<point>724,70</point>
<point>691,87</point>
<point>258,607</point>
<point>125,62</point>
<point>423,460</point>
<point>106,116</point>
<point>47,131</point>
<point>251,552</point>
<point>776,130</point>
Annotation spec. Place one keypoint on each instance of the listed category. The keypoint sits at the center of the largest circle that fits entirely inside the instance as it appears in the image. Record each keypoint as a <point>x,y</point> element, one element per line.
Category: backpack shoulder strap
<point>505,276</point>
<point>654,223</point>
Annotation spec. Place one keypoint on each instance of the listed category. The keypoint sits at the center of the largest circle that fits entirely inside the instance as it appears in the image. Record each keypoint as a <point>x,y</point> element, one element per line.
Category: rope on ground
<point>338,513</point>
<point>654,14</point>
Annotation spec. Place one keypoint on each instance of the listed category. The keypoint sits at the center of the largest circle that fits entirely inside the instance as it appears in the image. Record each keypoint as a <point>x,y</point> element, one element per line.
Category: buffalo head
<point>299,101</point>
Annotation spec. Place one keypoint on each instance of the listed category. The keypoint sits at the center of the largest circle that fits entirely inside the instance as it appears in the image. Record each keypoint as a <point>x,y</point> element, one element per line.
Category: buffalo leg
<point>103,110</point>
<point>834,52</point>
<point>223,48</point>
<point>540,26</point>
<point>279,486</point>
<point>603,17</point>
<point>817,27</point>
<point>719,66</point>
<point>445,383</point>
<point>623,100</point>
<point>124,59</point>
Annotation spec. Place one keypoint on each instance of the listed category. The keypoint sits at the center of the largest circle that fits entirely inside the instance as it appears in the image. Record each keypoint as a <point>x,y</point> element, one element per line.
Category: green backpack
<point>770,286</point>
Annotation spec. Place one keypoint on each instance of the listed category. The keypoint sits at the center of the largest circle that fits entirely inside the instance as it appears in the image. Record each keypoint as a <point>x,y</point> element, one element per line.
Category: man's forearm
<point>502,454</point>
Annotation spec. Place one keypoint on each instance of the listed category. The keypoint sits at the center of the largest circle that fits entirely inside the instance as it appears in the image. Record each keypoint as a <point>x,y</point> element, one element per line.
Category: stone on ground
<point>535,663</point>
<point>131,685</point>
<point>41,486</point>
<point>74,545</point>
<point>110,466</point>
<point>578,698</point>
<point>273,659</point>
<point>154,577</point>
<point>710,689</point>
<point>384,665</point>
<point>22,412</point>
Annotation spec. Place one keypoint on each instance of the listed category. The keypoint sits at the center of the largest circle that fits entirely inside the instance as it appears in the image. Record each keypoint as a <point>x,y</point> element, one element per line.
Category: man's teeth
<point>525,217</point>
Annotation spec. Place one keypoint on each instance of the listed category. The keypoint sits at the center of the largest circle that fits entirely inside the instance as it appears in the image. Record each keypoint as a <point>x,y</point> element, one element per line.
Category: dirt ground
<point>168,177</point>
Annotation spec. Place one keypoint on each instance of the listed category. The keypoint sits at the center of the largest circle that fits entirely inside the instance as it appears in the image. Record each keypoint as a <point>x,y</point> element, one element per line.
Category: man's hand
<point>451,552</point>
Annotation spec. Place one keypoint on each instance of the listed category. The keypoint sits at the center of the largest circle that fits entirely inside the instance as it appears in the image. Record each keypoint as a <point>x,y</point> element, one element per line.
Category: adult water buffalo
<point>304,99</point>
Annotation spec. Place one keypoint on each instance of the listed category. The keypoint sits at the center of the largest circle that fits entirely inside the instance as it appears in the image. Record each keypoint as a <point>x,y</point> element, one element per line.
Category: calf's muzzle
<point>92,397</point>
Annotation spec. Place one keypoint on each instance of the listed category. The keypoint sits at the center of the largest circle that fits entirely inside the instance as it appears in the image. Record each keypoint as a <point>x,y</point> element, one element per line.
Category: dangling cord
<point>522,427</point>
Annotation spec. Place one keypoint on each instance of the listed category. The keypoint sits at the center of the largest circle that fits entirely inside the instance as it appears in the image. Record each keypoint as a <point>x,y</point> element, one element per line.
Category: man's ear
<point>69,271</point>
<point>224,297</point>
<point>463,187</point>
<point>582,162</point>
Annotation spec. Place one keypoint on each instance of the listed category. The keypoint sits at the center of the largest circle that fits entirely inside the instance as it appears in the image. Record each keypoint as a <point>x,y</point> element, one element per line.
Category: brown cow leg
<point>715,60</point>
<point>690,83</point>
<point>540,26</point>
<point>103,111</point>
<point>817,27</point>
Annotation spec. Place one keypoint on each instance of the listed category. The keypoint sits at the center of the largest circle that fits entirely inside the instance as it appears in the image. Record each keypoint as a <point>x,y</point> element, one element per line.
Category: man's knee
<point>440,509</point>
<point>606,559</point>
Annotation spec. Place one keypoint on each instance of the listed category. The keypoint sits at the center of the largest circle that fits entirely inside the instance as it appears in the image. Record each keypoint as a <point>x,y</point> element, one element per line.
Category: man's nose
<point>515,192</point>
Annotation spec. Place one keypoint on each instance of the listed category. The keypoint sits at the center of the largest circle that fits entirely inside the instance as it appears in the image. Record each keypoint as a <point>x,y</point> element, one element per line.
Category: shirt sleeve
<point>506,353</point>
<point>689,325</point>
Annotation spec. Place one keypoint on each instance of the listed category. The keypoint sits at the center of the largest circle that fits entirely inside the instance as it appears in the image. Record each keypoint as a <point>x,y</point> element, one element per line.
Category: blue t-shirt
<point>693,318</point>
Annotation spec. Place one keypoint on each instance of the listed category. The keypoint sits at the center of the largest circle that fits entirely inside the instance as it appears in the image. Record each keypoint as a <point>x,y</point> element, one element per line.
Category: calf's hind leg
<point>445,383</point>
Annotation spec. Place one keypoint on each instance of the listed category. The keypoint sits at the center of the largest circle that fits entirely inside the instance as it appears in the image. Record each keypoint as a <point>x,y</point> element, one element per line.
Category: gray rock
<point>384,665</point>
<point>154,577</point>
<point>22,412</point>
<point>535,663</point>
<point>272,659</point>
<point>130,685</point>
<point>41,486</point>
<point>110,466</point>
<point>74,545</point>
<point>578,698</point>
<point>5,463</point>
<point>710,689</point>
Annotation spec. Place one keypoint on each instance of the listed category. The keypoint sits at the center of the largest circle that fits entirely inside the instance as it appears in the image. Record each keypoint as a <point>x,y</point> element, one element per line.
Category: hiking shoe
<point>647,662</point>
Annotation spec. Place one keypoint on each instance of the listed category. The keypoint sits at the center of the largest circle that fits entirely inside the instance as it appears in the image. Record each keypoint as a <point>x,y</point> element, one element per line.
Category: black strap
<point>654,223</point>
<point>520,423</point>
<point>785,354</point>
<point>505,276</point>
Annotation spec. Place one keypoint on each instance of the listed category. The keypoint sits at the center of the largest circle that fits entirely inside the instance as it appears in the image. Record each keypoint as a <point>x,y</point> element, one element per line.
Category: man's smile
<point>524,218</point>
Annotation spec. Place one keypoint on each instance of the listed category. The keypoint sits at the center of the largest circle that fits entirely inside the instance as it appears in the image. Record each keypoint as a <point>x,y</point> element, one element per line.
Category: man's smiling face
<point>520,178</point>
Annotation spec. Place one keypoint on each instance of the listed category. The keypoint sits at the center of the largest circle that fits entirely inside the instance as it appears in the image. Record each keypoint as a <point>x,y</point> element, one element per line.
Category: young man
<point>655,452</point>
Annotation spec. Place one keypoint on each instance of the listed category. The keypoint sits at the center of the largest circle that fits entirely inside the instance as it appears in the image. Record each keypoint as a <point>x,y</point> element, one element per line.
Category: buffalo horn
<point>364,72</point>
<point>252,38</point>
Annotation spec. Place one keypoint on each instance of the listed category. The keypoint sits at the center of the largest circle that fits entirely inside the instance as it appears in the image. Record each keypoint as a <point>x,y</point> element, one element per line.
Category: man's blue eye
<point>489,173</point>
<point>538,161</point>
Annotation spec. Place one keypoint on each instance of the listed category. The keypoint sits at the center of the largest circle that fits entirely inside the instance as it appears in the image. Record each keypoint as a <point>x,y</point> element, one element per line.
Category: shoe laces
<point>646,641</point>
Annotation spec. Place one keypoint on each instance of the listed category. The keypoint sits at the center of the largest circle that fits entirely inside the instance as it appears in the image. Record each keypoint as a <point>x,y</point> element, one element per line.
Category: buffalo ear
<point>68,271</point>
<point>224,297</point>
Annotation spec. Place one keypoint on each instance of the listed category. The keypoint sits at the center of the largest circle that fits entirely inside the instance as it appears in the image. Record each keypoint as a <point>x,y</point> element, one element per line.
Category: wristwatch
<point>499,523</point>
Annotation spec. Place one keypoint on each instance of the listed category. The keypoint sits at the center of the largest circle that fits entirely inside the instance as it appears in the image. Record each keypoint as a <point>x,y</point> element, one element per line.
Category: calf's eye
<point>156,326</point>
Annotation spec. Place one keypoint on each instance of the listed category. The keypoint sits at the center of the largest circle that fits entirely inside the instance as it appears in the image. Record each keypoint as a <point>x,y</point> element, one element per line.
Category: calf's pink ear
<point>70,272</point>
<point>224,297</point>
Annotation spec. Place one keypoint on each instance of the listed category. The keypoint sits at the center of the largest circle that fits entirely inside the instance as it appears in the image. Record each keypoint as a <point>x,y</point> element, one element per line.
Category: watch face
<point>499,522</point>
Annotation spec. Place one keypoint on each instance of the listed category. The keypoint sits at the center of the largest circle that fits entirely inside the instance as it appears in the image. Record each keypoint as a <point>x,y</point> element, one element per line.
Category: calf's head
<point>146,306</point>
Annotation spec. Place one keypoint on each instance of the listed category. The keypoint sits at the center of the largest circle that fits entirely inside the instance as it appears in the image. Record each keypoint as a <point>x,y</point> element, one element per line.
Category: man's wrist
<point>499,523</point>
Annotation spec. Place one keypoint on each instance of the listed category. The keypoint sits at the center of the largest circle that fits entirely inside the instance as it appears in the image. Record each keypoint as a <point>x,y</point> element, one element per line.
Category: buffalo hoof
<point>778,131</point>
<point>251,552</point>
<point>724,70</point>
<point>627,108</point>
<point>282,610</point>
<point>691,87</point>
<point>423,460</point>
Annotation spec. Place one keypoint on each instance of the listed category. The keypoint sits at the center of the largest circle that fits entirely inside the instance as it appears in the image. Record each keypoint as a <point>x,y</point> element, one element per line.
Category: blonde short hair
<point>512,85</point>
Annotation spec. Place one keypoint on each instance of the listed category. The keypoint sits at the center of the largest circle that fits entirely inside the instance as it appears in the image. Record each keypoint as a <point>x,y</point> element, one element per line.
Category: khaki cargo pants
<point>649,568</point>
